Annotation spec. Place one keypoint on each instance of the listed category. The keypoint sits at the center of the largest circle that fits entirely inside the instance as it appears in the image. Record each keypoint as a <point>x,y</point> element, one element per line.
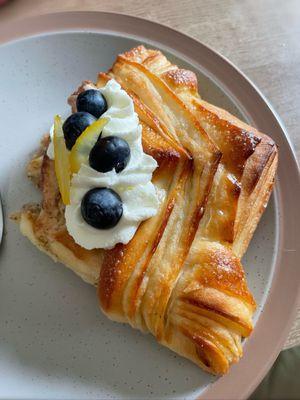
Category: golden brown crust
<point>181,78</point>
<point>249,158</point>
<point>45,225</point>
<point>192,180</point>
<point>86,267</point>
<point>180,277</point>
<point>148,294</point>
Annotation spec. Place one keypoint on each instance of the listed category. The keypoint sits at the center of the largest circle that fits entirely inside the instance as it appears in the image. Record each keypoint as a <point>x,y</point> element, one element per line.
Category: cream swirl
<point>133,184</point>
<point>50,149</point>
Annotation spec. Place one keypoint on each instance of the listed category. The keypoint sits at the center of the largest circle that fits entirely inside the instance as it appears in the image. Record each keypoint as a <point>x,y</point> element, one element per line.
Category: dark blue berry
<point>74,125</point>
<point>101,208</point>
<point>91,101</point>
<point>108,153</point>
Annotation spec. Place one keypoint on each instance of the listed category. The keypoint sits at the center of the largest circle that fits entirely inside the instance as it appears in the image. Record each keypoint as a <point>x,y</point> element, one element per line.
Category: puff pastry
<point>180,277</point>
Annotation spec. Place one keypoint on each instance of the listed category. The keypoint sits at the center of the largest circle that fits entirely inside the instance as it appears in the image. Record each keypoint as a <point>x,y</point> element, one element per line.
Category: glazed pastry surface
<point>180,277</point>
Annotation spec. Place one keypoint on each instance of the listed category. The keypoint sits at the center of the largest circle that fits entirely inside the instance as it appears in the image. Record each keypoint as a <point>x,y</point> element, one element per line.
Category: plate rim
<point>243,378</point>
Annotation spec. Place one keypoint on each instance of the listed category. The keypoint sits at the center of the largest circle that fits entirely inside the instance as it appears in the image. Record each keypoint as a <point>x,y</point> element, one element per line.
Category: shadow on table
<point>283,380</point>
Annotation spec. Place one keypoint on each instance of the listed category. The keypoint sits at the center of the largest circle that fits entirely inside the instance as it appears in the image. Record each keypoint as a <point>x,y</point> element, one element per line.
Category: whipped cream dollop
<point>139,196</point>
<point>50,149</point>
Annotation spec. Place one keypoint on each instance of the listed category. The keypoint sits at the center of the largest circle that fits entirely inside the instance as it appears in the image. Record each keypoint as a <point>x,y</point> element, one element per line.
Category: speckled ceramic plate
<point>54,342</point>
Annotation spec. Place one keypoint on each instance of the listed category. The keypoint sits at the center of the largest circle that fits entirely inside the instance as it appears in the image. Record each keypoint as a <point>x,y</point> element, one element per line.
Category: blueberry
<point>74,125</point>
<point>101,208</point>
<point>108,153</point>
<point>92,101</point>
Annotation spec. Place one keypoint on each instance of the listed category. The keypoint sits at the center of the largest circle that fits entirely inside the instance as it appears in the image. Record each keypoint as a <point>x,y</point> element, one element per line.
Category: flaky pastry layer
<point>180,277</point>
